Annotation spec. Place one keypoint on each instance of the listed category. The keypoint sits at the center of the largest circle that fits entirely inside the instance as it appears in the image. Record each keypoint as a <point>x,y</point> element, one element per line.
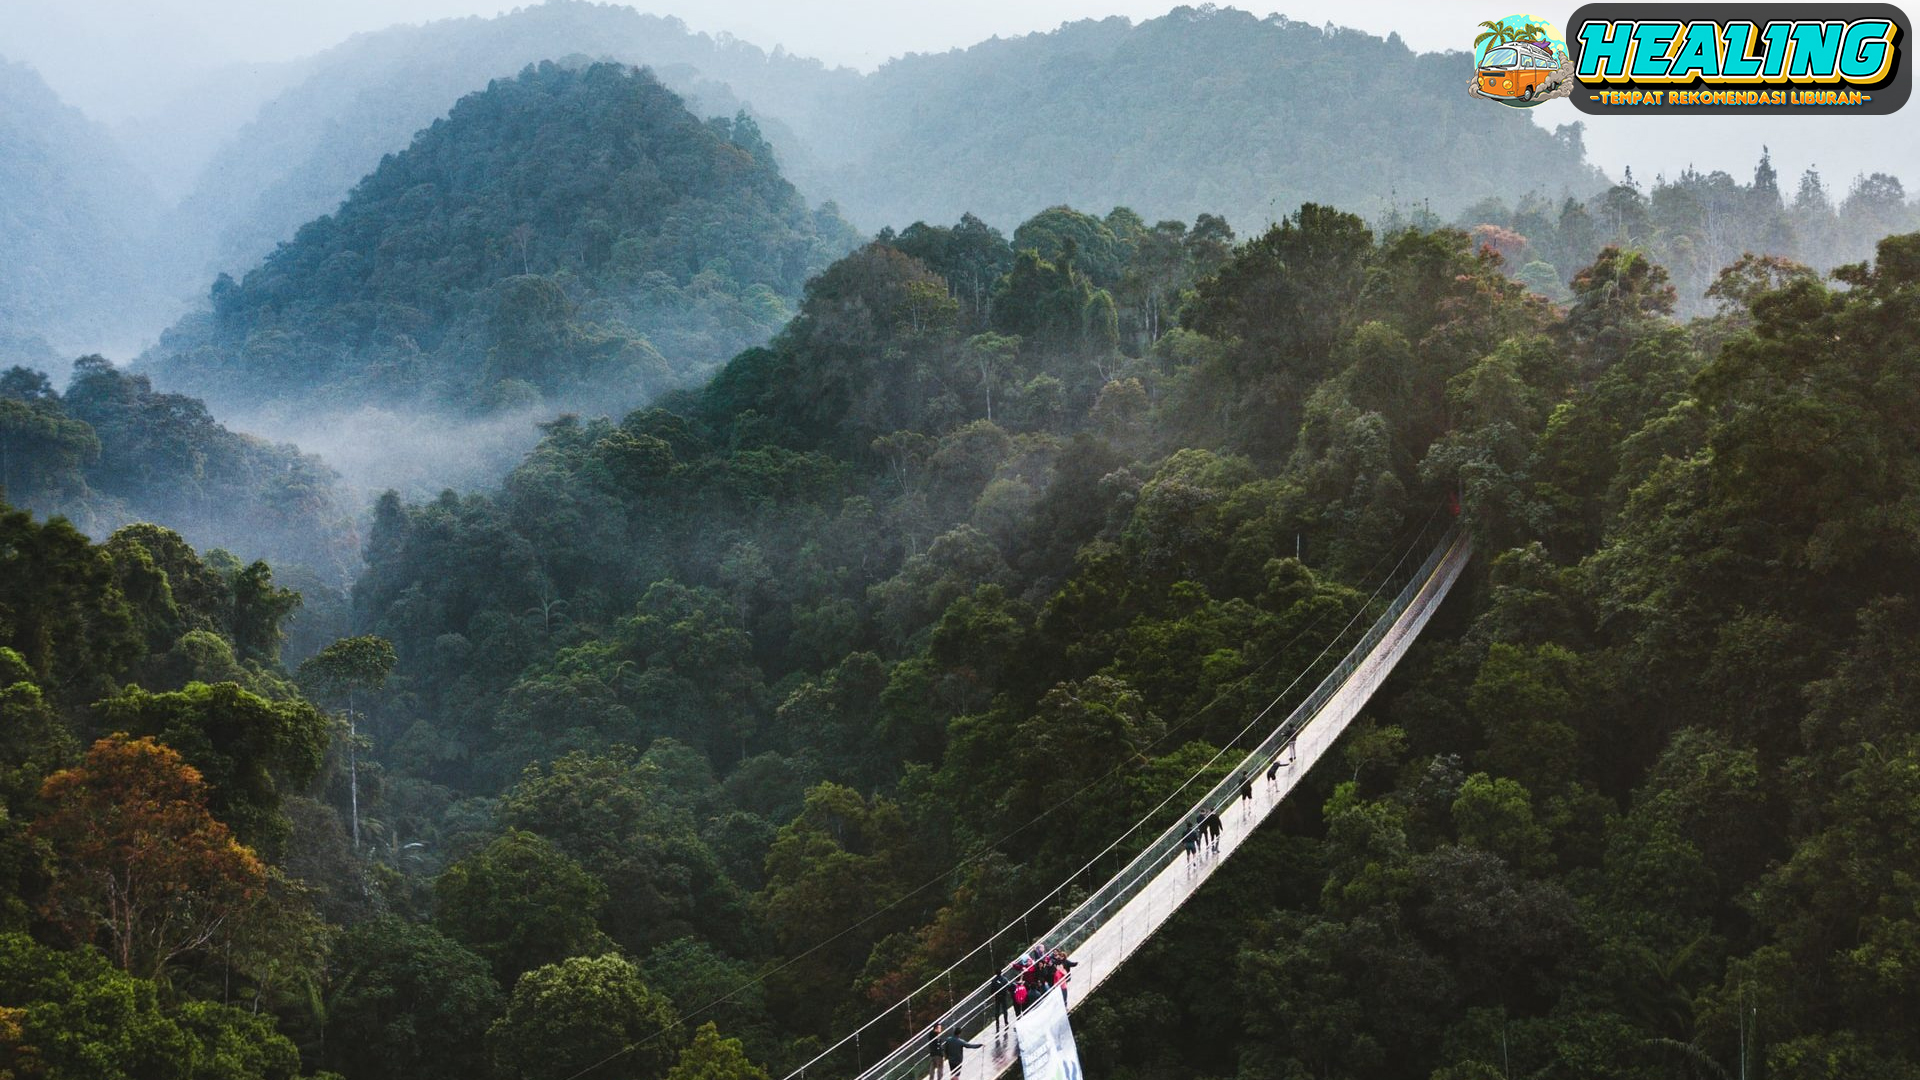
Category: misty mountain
<point>1201,111</point>
<point>573,236</point>
<point>173,140</point>
<point>75,223</point>
<point>368,96</point>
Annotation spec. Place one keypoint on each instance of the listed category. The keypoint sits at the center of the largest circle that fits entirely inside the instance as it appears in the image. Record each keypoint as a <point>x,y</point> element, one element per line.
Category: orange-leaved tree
<point>140,864</point>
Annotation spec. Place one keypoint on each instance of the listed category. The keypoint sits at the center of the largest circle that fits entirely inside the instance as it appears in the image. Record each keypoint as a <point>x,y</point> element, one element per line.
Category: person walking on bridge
<point>1213,831</point>
<point>948,1050</point>
<point>1002,1000</point>
<point>1192,840</point>
<point>1246,796</point>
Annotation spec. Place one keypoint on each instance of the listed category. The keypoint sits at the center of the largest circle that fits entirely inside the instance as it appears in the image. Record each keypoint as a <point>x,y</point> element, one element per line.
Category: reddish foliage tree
<point>1504,242</point>
<point>139,860</point>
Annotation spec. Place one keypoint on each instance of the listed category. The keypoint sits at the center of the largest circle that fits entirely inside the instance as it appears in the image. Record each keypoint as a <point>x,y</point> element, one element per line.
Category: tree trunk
<point>353,771</point>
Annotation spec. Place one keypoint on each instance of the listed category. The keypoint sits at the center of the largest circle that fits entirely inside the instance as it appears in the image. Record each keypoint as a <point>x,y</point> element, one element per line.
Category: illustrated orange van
<point>1518,69</point>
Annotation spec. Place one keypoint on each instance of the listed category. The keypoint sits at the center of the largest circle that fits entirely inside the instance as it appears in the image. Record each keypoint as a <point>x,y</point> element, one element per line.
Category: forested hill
<point>1202,110</point>
<point>75,223</point>
<point>573,235</point>
<point>367,96</point>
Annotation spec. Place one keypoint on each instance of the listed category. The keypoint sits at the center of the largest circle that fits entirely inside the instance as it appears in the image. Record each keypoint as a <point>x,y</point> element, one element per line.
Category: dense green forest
<point>570,235</point>
<point>702,735</point>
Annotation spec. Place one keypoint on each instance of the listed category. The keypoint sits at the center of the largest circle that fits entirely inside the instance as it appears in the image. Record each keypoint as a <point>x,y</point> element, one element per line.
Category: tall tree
<point>139,861</point>
<point>585,1013</point>
<point>342,671</point>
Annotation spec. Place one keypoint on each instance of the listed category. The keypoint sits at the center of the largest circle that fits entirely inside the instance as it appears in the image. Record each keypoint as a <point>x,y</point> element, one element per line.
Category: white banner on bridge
<point>1046,1040</point>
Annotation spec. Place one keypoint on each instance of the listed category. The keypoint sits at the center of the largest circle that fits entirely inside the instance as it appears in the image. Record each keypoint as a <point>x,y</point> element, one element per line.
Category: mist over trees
<point>1200,111</point>
<point>111,451</point>
<point>1695,224</point>
<point>1203,110</point>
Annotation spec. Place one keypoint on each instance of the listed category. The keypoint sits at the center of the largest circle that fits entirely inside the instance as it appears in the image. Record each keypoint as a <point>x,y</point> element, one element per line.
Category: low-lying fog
<point>417,454</point>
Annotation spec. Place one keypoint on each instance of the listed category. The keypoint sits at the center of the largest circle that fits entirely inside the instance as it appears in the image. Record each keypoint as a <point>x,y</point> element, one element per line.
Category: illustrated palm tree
<point>1498,33</point>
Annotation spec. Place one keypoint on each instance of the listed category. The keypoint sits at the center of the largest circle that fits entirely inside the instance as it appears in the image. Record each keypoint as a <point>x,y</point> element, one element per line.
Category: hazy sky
<point>83,45</point>
<point>120,58</point>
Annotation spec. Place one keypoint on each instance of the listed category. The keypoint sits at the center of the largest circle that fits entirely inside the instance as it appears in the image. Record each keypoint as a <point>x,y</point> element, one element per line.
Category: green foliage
<point>350,665</point>
<point>72,1015</point>
<point>1496,815</point>
<point>234,1044</point>
<point>43,454</point>
<point>60,609</point>
<point>711,1057</point>
<point>34,741</point>
<point>617,815</point>
<point>250,750</point>
<point>918,606</point>
<point>123,846</point>
<point>1717,237</point>
<point>1064,236</point>
<point>580,1012</point>
<point>697,977</point>
<point>520,903</point>
<point>843,860</point>
<point>407,1002</point>
<point>79,1016</point>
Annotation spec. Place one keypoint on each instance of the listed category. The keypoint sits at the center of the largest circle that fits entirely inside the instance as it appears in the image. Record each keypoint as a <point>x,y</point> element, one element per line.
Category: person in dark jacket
<point>948,1050</point>
<point>1246,796</point>
<point>936,1052</point>
<point>1213,831</point>
<point>1002,1000</point>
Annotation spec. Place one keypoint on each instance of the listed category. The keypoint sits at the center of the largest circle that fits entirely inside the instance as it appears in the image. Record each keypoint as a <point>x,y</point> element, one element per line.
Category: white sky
<point>81,45</point>
<point>117,59</point>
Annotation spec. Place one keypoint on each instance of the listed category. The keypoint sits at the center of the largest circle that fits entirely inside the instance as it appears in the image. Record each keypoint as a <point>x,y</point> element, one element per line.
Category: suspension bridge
<point>1106,928</point>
